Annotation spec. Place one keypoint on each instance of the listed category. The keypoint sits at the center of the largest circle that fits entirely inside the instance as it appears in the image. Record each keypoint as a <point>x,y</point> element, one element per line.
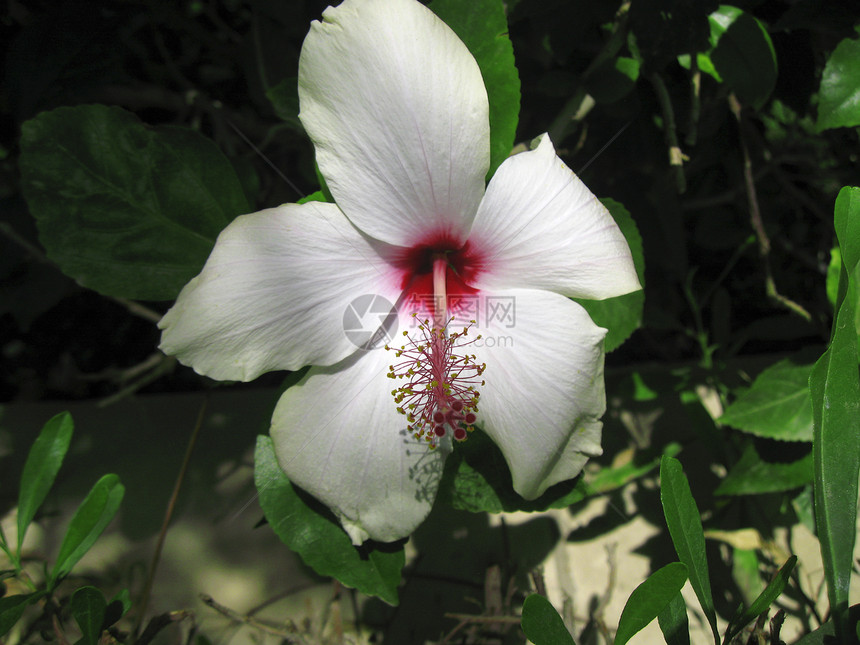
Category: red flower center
<point>464,263</point>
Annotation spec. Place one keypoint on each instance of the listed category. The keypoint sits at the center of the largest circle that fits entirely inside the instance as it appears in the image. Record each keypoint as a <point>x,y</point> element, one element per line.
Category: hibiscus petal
<point>544,392</point>
<point>397,110</point>
<point>540,227</point>
<point>274,292</point>
<point>338,436</point>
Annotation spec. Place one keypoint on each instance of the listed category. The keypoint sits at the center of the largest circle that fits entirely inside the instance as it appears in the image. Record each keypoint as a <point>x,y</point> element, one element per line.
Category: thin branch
<point>165,365</point>
<point>289,635</point>
<point>171,505</point>
<point>756,219</point>
<point>676,156</point>
<point>37,254</point>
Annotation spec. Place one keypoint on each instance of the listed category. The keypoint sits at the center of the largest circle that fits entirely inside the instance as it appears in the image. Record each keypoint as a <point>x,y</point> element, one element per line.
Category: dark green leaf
<point>483,27</point>
<point>124,209</point>
<point>285,100</point>
<point>12,607</point>
<point>835,388</point>
<point>41,468</point>
<point>117,607</point>
<point>88,607</point>
<point>674,622</point>
<point>752,475</point>
<point>839,94</point>
<point>685,527</point>
<point>316,536</point>
<point>477,479</point>
<point>541,623</point>
<point>88,523</point>
<point>650,599</point>
<point>776,406</point>
<point>665,29</point>
<point>765,599</point>
<point>622,315</point>
<point>824,634</point>
<point>745,59</point>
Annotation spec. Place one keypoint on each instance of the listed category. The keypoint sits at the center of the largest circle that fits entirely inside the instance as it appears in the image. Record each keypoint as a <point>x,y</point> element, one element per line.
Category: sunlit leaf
<point>674,623</point>
<point>835,388</point>
<point>41,468</point>
<point>753,475</point>
<point>685,527</point>
<point>649,599</point>
<point>764,600</point>
<point>315,535</point>
<point>88,523</point>
<point>541,623</point>
<point>839,93</point>
<point>777,405</point>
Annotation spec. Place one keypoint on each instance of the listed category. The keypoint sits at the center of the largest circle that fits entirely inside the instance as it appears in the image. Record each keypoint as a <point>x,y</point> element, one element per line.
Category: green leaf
<point>483,27</point>
<point>650,599</point>
<point>41,468</point>
<point>835,388</point>
<point>477,479</point>
<point>88,607</point>
<point>12,608</point>
<point>317,537</point>
<point>834,270</point>
<point>124,209</point>
<point>777,405</point>
<point>745,59</point>
<point>752,475</point>
<point>685,527</point>
<point>541,623</point>
<point>765,599</point>
<point>117,607</point>
<point>284,98</point>
<point>622,315</point>
<point>839,93</point>
<point>88,523</point>
<point>674,622</point>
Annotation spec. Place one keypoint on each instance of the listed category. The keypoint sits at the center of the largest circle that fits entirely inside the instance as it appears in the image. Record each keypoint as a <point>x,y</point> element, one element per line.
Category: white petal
<point>397,110</point>
<point>539,226</point>
<point>338,436</point>
<point>274,293</point>
<point>544,391</point>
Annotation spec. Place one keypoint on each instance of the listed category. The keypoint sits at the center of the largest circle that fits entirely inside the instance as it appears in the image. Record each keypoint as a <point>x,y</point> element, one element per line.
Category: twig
<point>37,254</point>
<point>474,618</point>
<point>166,364</point>
<point>756,220</point>
<point>289,634</point>
<point>161,621</point>
<point>58,629</point>
<point>676,156</point>
<point>776,626</point>
<point>171,505</point>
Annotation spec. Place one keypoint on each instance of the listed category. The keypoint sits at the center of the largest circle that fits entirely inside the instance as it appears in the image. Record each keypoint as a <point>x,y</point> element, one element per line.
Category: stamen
<point>442,381</point>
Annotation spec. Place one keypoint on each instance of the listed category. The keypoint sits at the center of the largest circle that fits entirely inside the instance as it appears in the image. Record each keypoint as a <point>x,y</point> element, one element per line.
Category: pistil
<point>441,390</point>
<point>440,294</point>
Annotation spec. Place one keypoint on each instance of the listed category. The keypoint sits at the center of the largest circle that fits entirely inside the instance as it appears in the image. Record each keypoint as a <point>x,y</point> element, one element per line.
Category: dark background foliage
<point>734,279</point>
